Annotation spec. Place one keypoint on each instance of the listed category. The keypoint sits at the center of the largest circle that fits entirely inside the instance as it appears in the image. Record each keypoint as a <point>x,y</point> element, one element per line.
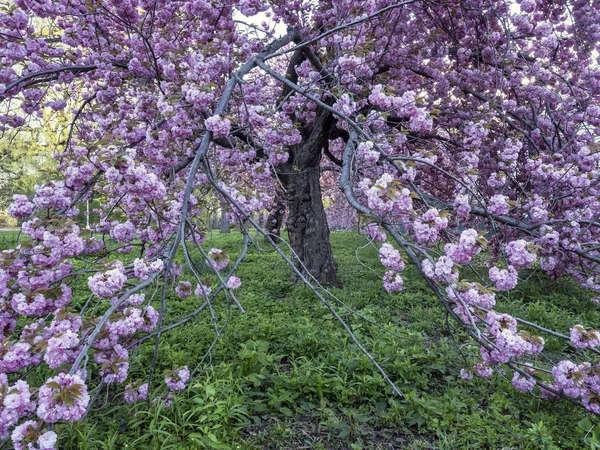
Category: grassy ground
<point>285,375</point>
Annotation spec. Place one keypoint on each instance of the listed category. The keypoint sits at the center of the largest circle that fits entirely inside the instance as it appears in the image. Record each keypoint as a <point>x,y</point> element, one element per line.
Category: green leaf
<point>585,424</point>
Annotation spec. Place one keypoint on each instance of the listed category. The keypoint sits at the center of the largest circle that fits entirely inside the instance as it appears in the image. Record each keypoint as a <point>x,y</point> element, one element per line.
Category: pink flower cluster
<point>482,370</point>
<point>135,392</point>
<point>63,397</point>
<point>39,304</point>
<point>392,281</point>
<point>462,207</point>
<point>519,253</point>
<point>131,320</point>
<point>523,383</point>
<point>114,364</point>
<point>62,349</point>
<point>570,378</point>
<point>233,283</point>
<point>582,338</point>
<point>21,207</point>
<point>509,154</point>
<point>106,284</point>
<point>444,270</point>
<point>427,228</point>
<point>391,258</point>
<point>202,290</point>
<point>366,152</point>
<point>126,176</point>
<point>467,297</point>
<point>505,279</point>
<point>184,289</point>
<point>376,232</point>
<point>469,246</point>
<point>578,381</point>
<point>141,268</point>
<point>177,379</point>
<point>507,343</point>
<point>15,403</point>
<point>29,436</point>
<point>405,106</point>
<point>219,126</point>
<point>53,194</point>
<point>123,232</point>
<point>18,356</point>
<point>498,204</point>
<point>386,195</point>
<point>218,258</point>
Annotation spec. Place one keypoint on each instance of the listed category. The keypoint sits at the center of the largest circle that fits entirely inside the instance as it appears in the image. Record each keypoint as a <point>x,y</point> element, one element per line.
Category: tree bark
<point>307,226</point>
<point>274,220</point>
<point>214,223</point>
<point>224,221</point>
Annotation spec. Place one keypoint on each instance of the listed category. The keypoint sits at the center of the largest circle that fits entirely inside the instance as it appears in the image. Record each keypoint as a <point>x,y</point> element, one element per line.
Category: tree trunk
<point>214,223</point>
<point>307,226</point>
<point>275,217</point>
<point>224,221</point>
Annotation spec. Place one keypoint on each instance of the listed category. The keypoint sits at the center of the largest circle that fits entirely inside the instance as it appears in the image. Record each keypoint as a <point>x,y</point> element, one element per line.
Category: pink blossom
<point>218,258</point>
<point>468,247</point>
<point>466,375</point>
<point>18,356</point>
<point>483,370</point>
<point>462,206</point>
<point>17,401</point>
<point>443,270</point>
<point>367,153</point>
<point>376,232</point>
<point>61,349</point>
<point>123,232</point>
<point>392,282</point>
<point>53,194</point>
<point>505,279</point>
<point>523,383</point>
<point>390,258</point>
<point>30,431</point>
<point>69,404</point>
<point>427,227</point>
<point>135,392</point>
<point>150,319</point>
<point>184,289</point>
<point>569,378</point>
<point>21,207</point>
<point>582,338</point>
<point>234,282</point>
<point>498,205</point>
<point>219,126</point>
<point>519,254</point>
<point>106,284</point>
<point>202,290</point>
<point>114,364</point>
<point>176,381</point>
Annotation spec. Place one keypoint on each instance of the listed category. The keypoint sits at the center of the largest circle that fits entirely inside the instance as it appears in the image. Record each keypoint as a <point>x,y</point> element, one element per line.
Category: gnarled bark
<point>275,218</point>
<point>307,226</point>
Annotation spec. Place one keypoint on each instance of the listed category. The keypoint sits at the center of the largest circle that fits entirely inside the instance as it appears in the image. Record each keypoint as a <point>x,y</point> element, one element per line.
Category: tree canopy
<point>464,132</point>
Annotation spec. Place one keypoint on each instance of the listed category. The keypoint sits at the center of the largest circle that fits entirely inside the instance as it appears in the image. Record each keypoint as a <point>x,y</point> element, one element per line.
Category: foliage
<point>27,155</point>
<point>285,375</point>
<point>6,220</point>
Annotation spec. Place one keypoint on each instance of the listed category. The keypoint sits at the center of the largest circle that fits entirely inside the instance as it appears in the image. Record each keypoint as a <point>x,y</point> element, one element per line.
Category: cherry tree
<point>465,130</point>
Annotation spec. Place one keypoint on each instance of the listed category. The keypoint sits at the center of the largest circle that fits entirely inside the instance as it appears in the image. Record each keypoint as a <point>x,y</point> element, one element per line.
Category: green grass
<point>286,375</point>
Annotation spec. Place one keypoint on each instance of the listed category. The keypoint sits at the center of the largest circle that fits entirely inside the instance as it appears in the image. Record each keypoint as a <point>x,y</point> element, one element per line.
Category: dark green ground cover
<point>286,375</point>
